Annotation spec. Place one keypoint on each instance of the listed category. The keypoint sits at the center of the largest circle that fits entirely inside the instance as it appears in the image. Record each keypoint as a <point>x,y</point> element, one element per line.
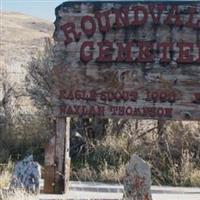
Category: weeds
<point>5,175</point>
<point>174,162</point>
<point>195,178</point>
<point>17,195</point>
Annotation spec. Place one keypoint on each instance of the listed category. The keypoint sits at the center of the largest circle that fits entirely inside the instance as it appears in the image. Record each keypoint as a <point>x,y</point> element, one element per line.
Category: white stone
<point>137,181</point>
<point>26,175</point>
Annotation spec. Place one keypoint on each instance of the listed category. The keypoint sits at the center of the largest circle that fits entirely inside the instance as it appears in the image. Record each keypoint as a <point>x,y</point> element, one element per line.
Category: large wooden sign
<point>128,60</point>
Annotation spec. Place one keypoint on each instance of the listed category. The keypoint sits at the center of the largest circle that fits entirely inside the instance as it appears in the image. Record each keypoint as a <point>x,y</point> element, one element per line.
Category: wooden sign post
<point>124,60</point>
<point>67,156</point>
<point>57,158</point>
<point>62,160</point>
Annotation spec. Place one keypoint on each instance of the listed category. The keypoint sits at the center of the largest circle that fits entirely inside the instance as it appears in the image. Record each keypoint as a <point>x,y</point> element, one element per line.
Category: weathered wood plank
<point>59,155</point>
<point>108,78</point>
<point>67,156</point>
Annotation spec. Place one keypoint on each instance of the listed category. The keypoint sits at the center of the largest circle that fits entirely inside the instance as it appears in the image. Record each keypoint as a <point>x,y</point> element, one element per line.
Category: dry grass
<point>5,175</point>
<point>85,173</point>
<point>106,174</point>
<point>5,193</point>
<point>17,195</point>
<point>195,178</point>
<point>112,174</point>
<point>175,162</point>
<point>103,162</point>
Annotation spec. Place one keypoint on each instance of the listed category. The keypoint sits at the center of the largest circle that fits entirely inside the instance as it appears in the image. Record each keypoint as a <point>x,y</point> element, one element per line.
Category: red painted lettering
<point>138,10</point>
<point>88,25</point>
<point>62,94</point>
<point>103,21</point>
<point>69,30</point>
<point>166,47</point>
<point>145,52</point>
<point>125,95</point>
<point>101,110</point>
<point>113,110</point>
<point>184,52</point>
<point>129,111</point>
<point>62,109</point>
<point>168,112</point>
<point>160,112</point>
<point>196,97</point>
<point>173,17</point>
<point>89,56</point>
<point>190,23</point>
<point>133,96</point>
<point>103,96</point>
<point>124,52</point>
<point>121,15</point>
<point>121,110</point>
<point>78,94</point>
<point>155,12</point>
<point>105,51</point>
<point>198,59</point>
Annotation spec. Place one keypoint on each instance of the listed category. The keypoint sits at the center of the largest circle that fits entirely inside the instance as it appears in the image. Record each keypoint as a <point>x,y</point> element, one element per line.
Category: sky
<point>38,8</point>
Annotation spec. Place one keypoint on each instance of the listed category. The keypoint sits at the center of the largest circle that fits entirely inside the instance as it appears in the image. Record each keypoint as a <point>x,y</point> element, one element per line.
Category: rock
<point>137,181</point>
<point>26,175</point>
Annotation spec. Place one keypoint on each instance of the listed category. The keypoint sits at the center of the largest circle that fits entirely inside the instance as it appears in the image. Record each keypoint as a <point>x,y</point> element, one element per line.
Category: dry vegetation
<point>21,38</point>
<point>5,175</point>
<point>173,153</point>
<point>17,195</point>
<point>175,161</point>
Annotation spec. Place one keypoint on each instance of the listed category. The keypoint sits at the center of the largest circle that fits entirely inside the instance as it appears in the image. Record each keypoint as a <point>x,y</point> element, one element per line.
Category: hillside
<point>21,38</point>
